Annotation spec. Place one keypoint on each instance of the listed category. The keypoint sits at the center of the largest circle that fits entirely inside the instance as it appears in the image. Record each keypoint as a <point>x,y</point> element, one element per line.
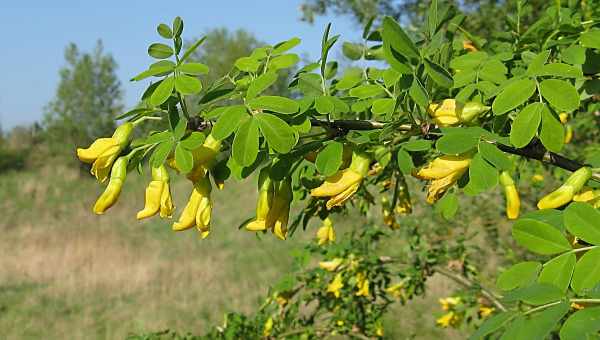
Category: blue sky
<point>35,33</point>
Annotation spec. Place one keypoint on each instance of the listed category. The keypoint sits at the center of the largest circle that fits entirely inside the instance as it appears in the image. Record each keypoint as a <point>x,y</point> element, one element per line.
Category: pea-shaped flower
<point>113,189</point>
<point>103,151</point>
<point>343,184</point>
<point>198,209</point>
<point>450,112</point>
<point>513,202</point>
<point>158,195</point>
<point>326,233</point>
<point>565,193</point>
<point>279,214</point>
<point>443,172</point>
<point>264,202</point>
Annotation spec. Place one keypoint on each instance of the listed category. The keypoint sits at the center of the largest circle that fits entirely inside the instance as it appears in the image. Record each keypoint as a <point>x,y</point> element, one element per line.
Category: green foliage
<point>426,115</point>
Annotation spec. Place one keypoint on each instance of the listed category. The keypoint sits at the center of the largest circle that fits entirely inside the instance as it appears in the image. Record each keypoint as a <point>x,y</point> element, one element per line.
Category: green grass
<point>70,274</point>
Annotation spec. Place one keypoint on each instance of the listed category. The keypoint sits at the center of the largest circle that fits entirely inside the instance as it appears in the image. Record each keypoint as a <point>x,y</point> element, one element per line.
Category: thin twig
<point>469,284</point>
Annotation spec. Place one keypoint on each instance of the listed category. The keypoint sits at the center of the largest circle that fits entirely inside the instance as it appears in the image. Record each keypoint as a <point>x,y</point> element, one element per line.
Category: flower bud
<point>277,218</point>
<point>264,203</point>
<point>513,202</point>
<point>564,194</point>
<point>198,210</point>
<point>158,195</point>
<point>113,189</point>
<point>326,233</point>
<point>450,112</point>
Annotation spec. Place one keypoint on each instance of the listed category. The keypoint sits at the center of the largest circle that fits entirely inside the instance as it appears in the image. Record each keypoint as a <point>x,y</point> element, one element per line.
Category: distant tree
<point>88,97</point>
<point>486,17</point>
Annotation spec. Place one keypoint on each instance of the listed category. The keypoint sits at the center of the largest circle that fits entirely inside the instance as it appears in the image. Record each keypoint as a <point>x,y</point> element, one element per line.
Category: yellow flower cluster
<point>452,318</point>
<point>442,173</point>
<point>273,205</point>
<point>326,233</point>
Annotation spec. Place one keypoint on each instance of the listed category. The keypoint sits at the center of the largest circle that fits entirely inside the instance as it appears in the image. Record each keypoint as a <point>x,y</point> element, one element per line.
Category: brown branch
<point>535,150</point>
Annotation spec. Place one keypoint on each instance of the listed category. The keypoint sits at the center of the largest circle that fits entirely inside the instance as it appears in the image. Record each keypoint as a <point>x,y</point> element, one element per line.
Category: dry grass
<point>65,273</point>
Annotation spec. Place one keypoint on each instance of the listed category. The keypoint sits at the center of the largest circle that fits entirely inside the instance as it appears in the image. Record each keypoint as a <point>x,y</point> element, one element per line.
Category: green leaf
<point>330,158</point>
<point>417,145</point>
<point>405,162</point>
<point>193,68</point>
<point>161,152</point>
<point>438,74</point>
<point>187,85</point>
<point>535,294</point>
<point>513,95</point>
<point>278,133</point>
<point>164,31</point>
<point>552,132</point>
<point>180,128</point>
<point>560,94</point>
<point>591,39</point>
<point>574,55</point>
<point>526,124</point>
<point>539,237</point>
<point>260,84</point>
<point>352,51</point>
<point>482,175</point>
<point>247,64</point>
<point>275,104</point>
<point>492,324</point>
<point>393,34</point>
<point>183,159</point>
<point>193,141</point>
<point>457,142</point>
<point>447,206</point>
<point>587,272</point>
<point>561,70</point>
<point>154,71</point>
<point>177,26</point>
<point>520,275</point>
<point>542,323</point>
<point>396,60</point>
<point>469,61</point>
<point>493,70</point>
<point>160,51</point>
<point>283,61</point>
<point>583,324</point>
<point>535,65</point>
<point>492,154</point>
<point>583,221</point>
<point>229,121</point>
<point>245,143</point>
<point>324,104</point>
<point>163,91</point>
<point>418,93</point>
<point>352,76</point>
<point>286,45</point>
<point>366,91</point>
<point>383,106</point>
<point>558,271</point>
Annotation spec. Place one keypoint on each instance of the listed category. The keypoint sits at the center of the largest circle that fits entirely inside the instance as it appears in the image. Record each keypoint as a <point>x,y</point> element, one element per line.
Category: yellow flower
<point>484,312</point>
<point>468,45</point>
<point>450,112</point>
<point>336,285</point>
<point>277,218</point>
<point>577,306</point>
<point>326,233</point>
<point>113,189</point>
<point>568,134</point>
<point>443,172</point>
<point>204,159</point>
<point>450,319</point>
<point>198,209</point>
<point>379,329</point>
<point>158,195</point>
<point>588,195</point>
<point>564,117</point>
<point>403,205</point>
<point>449,302</point>
<point>268,327</point>
<point>341,186</point>
<point>264,203</point>
<point>331,265</point>
<point>513,202</point>
<point>564,194</point>
<point>103,151</point>
<point>362,284</point>
<point>537,178</point>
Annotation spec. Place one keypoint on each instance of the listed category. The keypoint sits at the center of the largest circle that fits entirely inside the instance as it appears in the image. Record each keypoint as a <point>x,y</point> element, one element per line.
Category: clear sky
<point>35,33</point>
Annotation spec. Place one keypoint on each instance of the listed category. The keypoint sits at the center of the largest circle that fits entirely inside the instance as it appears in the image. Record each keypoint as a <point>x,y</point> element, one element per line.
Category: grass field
<point>66,273</point>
